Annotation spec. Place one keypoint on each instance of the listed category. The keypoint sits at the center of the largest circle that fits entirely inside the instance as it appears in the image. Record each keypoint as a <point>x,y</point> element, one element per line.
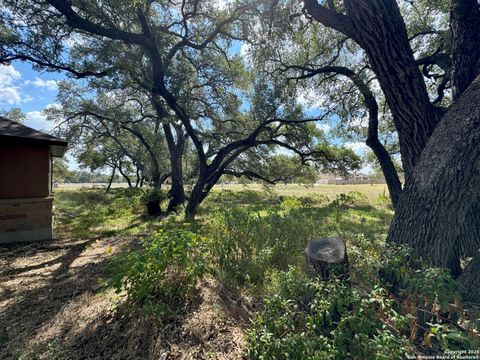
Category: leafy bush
<point>406,275</point>
<point>153,195</point>
<point>384,201</point>
<point>239,245</point>
<point>245,245</point>
<point>448,339</point>
<point>306,319</point>
<point>289,203</point>
<point>353,198</point>
<point>164,271</point>
<point>313,200</point>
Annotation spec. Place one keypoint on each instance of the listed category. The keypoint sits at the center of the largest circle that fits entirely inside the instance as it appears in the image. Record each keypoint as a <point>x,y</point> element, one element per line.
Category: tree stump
<point>153,208</point>
<point>328,256</point>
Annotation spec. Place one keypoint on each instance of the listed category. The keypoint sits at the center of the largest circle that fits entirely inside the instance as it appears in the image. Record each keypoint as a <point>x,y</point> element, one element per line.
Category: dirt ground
<point>51,307</point>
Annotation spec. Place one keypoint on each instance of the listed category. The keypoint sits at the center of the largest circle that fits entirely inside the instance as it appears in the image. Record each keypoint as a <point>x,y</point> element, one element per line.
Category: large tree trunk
<point>381,32</point>
<point>177,191</point>
<point>465,25</point>
<point>196,197</point>
<point>436,213</point>
<point>176,149</point>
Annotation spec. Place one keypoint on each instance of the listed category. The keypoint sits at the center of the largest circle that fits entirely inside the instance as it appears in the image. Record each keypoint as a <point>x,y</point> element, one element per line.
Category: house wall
<point>24,170</point>
<point>25,203</point>
<point>25,220</point>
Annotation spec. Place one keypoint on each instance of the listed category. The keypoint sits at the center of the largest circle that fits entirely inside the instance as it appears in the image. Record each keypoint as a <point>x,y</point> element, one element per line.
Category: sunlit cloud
<point>9,91</point>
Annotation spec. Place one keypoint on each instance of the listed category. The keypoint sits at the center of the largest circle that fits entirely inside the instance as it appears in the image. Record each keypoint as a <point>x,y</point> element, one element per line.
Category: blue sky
<point>29,90</point>
<point>32,91</point>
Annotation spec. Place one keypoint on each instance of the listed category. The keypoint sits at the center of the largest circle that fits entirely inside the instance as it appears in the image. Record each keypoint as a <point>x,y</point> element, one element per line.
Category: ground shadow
<point>33,291</point>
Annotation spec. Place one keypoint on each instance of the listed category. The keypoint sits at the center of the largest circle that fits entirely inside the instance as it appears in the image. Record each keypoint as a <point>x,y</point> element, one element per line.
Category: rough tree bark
<point>464,23</point>
<point>465,26</point>
<point>470,280</point>
<point>175,149</point>
<point>434,214</point>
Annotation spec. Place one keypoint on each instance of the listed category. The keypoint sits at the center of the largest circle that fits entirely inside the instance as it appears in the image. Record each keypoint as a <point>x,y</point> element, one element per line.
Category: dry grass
<point>51,308</point>
<point>371,191</point>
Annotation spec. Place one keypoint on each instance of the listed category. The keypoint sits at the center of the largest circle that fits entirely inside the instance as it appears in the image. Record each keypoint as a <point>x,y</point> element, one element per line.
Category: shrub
<point>306,319</point>
<point>239,245</point>
<point>313,200</point>
<point>353,198</point>
<point>152,199</point>
<point>289,203</point>
<point>246,245</point>
<point>164,271</point>
<point>448,339</point>
<point>385,201</point>
<point>152,195</point>
<point>409,276</point>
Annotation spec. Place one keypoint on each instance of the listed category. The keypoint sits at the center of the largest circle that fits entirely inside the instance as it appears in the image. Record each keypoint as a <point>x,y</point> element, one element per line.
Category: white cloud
<point>41,83</point>
<point>312,100</point>
<point>8,74</point>
<point>358,147</point>
<point>9,92</point>
<point>324,127</point>
<point>9,95</point>
<point>37,120</point>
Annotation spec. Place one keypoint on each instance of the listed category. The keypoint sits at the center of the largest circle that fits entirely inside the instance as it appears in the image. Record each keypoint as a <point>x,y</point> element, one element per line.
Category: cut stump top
<point>329,250</point>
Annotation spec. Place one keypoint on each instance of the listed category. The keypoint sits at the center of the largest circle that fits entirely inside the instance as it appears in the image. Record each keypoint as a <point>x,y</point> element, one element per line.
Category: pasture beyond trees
<point>234,282</point>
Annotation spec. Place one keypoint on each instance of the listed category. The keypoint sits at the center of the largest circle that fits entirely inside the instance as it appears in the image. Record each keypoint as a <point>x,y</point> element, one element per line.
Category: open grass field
<point>372,191</point>
<point>116,284</point>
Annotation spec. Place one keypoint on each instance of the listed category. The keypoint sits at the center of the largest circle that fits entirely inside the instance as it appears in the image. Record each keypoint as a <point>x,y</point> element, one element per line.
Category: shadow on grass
<point>36,293</point>
<point>90,213</point>
<point>55,309</point>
